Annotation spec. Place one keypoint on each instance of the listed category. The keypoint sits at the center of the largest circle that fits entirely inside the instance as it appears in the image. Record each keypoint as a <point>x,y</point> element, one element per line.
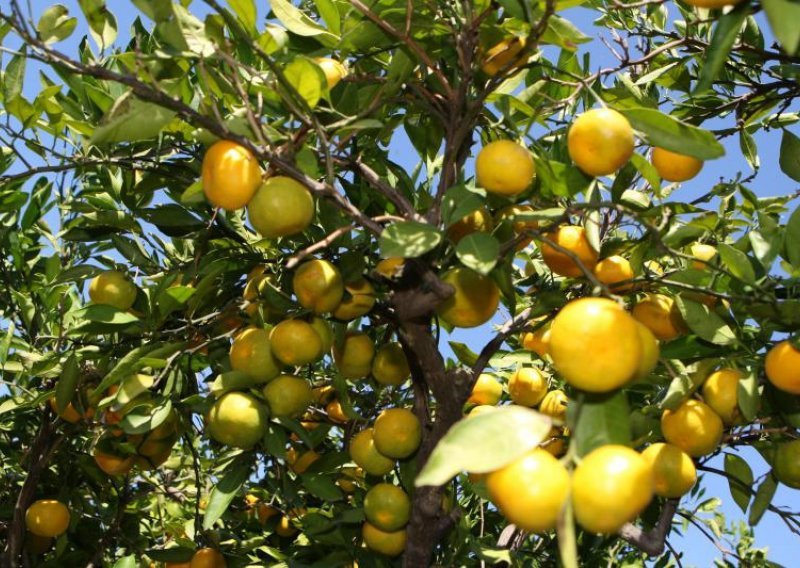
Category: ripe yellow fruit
<point>302,463</point>
<point>786,463</point>
<point>537,341</point>
<point>318,286</point>
<point>354,358</point>
<point>230,174</point>
<point>479,220</point>
<point>509,215</point>
<point>673,470</point>
<point>615,272</point>
<point>481,409</point>
<point>295,342</point>
<point>530,491</point>
<point>703,253</point>
<point>383,542</point>
<point>112,288</point>
<point>390,267</point>
<point>323,329</point>
<point>251,353</point>
<point>693,427</point>
<point>387,507</point>
<point>720,392</point>
<point>659,314</point>
<point>390,366</point>
<point>281,207</point>
<point>600,141</point>
<point>397,433</point>
<point>650,351</point>
<point>334,70</point>
<point>335,412</point>
<point>288,396</point>
<point>610,487</point>
<point>595,344</point>
<point>47,517</point>
<point>527,386</point>
<point>208,558</point>
<point>285,527</point>
<point>70,413</point>
<point>554,404</point>
<point>113,465</point>
<point>367,456</point>
<point>555,444</point>
<point>502,55</point>
<point>237,419</point>
<point>672,166</point>
<point>265,512</point>
<point>359,303</point>
<point>487,390</point>
<point>782,366</point>
<point>712,4</point>
<point>505,168</point>
<point>474,302</point>
<point>572,239</point>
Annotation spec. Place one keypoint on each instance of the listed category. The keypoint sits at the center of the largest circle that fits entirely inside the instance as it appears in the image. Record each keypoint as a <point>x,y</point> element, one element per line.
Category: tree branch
<point>653,541</point>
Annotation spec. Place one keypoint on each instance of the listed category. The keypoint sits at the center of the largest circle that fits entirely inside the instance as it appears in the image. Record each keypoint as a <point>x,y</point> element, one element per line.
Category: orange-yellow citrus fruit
<point>573,239</point>
<point>487,390</point>
<point>318,286</point>
<point>208,558</point>
<point>505,168</point>
<point>383,542</point>
<point>527,386</point>
<point>390,366</point>
<point>335,412</point>
<point>693,427</point>
<point>503,55</point>
<point>323,329</point>
<point>673,470</point>
<point>334,70</point>
<point>720,392</point>
<point>111,464</point>
<point>537,341</point>
<point>474,301</point>
<point>367,456</point>
<point>672,166</point>
<point>287,396</point>
<point>511,215</point>
<point>782,366</point>
<point>359,302</point>
<point>251,353</point>
<point>600,141</point>
<point>397,433</point>
<point>479,221</point>
<point>702,253</point>
<point>230,174</point>
<point>650,351</point>
<point>354,357</point>
<point>615,272</point>
<point>554,404</point>
<point>387,507</point>
<point>47,517</point>
<point>390,267</point>
<point>660,315</point>
<point>237,419</point>
<point>112,288</point>
<point>296,342</point>
<point>281,207</point>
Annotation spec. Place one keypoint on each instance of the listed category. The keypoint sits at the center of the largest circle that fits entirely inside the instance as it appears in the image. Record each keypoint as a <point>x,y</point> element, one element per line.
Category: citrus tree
<point>231,314</point>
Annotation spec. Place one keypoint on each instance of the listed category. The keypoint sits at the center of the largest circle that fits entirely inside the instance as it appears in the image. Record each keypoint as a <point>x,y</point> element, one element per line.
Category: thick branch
<point>653,541</point>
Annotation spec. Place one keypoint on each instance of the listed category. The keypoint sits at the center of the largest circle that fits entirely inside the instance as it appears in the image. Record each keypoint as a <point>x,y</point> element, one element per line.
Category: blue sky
<point>770,181</point>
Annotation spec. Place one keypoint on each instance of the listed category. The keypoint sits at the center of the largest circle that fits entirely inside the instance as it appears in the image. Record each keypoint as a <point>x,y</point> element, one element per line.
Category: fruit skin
<point>554,404</point>
<point>294,342</point>
<point>336,413</point>
<point>251,353</point>
<point>367,456</point>
<point>288,396</point>
<point>230,175</point>
<point>527,386</point>
<point>387,507</point>
<point>610,487</point>
<point>397,433</point>
<point>70,413</point>
<point>537,341</point>
<point>505,168</point>
<point>386,543</point>
<point>693,427</point>
<point>786,464</point>
<point>112,465</point>
<point>530,491</point>
<point>650,351</point>
<point>113,288</point>
<point>237,419</point>
<point>595,344</point>
<point>612,271</point>
<point>302,463</point>
<point>600,141</point>
<point>390,365</point>
<point>334,70</point>
<point>673,470</point>
<point>479,220</point>
<point>474,302</point>
<point>720,392</point>
<point>318,286</point>
<point>285,527</point>
<point>672,166</point>
<point>502,54</point>
<point>487,390</point>
<point>360,302</point>
<point>661,316</point>
<point>390,268</point>
<point>354,358</point>
<point>782,366</point>
<point>323,329</point>
<point>47,517</point>
<point>703,253</point>
<point>573,239</point>
<point>281,207</point>
<point>208,558</point>
<point>508,214</point>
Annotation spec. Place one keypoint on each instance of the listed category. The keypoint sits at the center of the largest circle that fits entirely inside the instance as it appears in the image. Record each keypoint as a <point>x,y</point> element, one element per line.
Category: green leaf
<point>109,315</point>
<point>14,76</point>
<point>247,12</point>
<point>102,23</point>
<point>224,491</point>
<point>672,134</point>
<point>156,10</point>
<point>762,500</point>
<point>790,155</point>
<point>322,486</point>
<point>307,79</point>
<point>330,15</point>
<point>559,179</point>
<point>133,386</point>
<point>297,22</point>
<point>687,382</point>
<point>737,263</point>
<point>749,149</point>
<point>172,219</point>
<point>598,420</point>
<point>563,33</point>
<point>126,562</point>
<point>740,480</point>
<point>459,201</point>
<point>464,354</point>
<point>726,30</point>
<point>478,251</point>
<point>67,383</point>
<point>783,16</point>
<point>484,443</point>
<point>748,397</point>
<point>705,323</point>
<point>55,24</point>
<point>123,122</point>
<point>791,237</point>
<point>145,417</point>
<point>408,239</point>
<point>5,345</point>
<point>567,543</point>
<point>128,364</point>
